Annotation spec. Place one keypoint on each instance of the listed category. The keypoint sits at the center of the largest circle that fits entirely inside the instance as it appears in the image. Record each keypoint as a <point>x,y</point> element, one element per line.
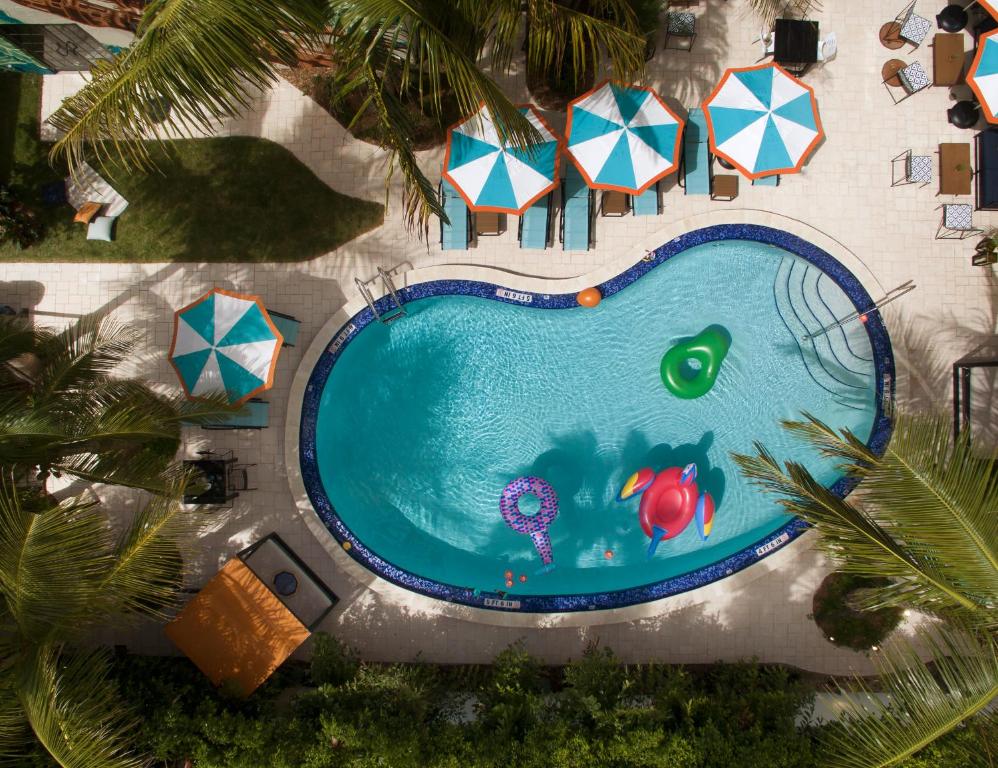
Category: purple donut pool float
<point>534,526</point>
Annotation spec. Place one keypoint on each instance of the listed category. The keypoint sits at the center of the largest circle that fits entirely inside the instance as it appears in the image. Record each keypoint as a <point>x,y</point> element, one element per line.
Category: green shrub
<point>333,662</point>
<point>599,675</point>
<point>510,701</point>
<point>607,716</point>
<point>18,223</point>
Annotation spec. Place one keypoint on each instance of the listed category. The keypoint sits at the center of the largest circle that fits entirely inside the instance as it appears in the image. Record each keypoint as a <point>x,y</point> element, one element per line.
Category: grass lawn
<point>210,200</point>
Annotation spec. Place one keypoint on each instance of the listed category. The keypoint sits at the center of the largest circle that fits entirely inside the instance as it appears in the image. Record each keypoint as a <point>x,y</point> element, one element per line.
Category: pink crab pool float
<point>670,500</point>
<point>535,526</point>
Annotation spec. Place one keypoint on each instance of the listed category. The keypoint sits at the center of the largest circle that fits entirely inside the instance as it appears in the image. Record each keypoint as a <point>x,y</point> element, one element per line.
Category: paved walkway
<point>845,191</point>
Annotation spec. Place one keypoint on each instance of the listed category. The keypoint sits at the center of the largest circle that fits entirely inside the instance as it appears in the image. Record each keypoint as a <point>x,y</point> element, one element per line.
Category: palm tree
<point>63,572</point>
<point>62,410</point>
<point>206,58</point>
<point>925,516</point>
<point>769,10</point>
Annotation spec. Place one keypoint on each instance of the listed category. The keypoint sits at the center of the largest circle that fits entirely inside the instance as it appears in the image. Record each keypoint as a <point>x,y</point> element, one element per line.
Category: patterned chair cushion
<point>919,168</point>
<point>914,29</point>
<point>960,216</point>
<point>914,77</point>
<point>683,24</point>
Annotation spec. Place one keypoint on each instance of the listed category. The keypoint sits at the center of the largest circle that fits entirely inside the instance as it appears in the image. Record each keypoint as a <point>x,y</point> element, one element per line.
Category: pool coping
<point>703,584</point>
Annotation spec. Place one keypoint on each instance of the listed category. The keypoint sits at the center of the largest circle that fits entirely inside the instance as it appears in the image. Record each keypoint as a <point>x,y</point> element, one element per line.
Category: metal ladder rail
<point>399,310</point>
<point>887,298</point>
<point>365,291</point>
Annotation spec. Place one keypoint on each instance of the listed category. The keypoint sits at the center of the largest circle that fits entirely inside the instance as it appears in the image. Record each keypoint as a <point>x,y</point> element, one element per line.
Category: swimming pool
<point>409,432</point>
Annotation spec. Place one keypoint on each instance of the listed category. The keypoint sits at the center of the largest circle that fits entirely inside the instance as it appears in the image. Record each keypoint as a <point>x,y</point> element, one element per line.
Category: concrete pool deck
<point>844,192</point>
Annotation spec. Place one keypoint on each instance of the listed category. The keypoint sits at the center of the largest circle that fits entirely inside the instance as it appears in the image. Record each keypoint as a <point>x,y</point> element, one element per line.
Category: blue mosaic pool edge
<point>879,436</point>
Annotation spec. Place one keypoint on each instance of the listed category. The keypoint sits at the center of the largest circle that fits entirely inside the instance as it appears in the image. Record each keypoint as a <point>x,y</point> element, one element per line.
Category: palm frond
<point>932,494</point>
<point>856,541</point>
<point>440,45</point>
<point>74,710</point>
<point>205,58</point>
<point>559,31</point>
<point>558,34</point>
<point>51,563</point>
<point>82,354</point>
<point>15,735</point>
<point>924,704</point>
<point>939,497</point>
<point>147,568</point>
<point>18,337</point>
<point>419,198</point>
<point>28,433</point>
<point>768,10</point>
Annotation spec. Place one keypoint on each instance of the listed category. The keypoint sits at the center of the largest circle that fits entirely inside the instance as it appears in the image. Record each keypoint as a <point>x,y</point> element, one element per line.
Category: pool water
<point>423,422</point>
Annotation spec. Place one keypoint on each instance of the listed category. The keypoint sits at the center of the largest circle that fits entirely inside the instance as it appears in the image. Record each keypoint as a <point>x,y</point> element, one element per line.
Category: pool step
<point>796,291</point>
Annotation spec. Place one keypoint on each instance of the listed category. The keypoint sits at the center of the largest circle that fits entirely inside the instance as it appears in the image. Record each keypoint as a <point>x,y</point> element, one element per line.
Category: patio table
<point>954,169</point>
<point>214,473</point>
<point>796,44</point>
<point>947,58</point>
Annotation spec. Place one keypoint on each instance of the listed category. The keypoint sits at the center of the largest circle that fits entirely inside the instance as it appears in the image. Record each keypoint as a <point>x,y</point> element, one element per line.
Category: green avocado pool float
<point>708,348</point>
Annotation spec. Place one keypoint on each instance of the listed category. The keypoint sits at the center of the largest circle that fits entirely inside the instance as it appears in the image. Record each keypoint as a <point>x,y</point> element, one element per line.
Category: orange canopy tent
<point>236,630</point>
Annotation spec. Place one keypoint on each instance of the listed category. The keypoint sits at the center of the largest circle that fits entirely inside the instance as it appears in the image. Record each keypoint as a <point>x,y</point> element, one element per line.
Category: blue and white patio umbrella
<point>763,120</point>
<point>491,176</point>
<point>983,75</point>
<point>225,342</point>
<point>623,137</point>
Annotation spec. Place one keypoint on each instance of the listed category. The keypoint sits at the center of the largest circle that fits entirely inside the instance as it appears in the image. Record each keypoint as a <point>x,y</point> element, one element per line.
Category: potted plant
<point>986,251</point>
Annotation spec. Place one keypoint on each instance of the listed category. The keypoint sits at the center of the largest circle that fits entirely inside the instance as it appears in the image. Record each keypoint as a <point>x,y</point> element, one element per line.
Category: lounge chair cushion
<point>101,228</point>
<point>88,211</point>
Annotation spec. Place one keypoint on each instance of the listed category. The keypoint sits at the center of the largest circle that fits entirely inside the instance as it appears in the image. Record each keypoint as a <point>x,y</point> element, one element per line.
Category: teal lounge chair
<point>455,235</point>
<point>535,225</point>
<point>576,212</point>
<point>696,155</point>
<point>767,181</point>
<point>287,325</point>
<point>255,414</point>
<point>647,203</point>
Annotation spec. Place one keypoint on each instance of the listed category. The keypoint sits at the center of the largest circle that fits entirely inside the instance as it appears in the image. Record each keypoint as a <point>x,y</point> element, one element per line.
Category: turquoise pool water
<point>422,423</point>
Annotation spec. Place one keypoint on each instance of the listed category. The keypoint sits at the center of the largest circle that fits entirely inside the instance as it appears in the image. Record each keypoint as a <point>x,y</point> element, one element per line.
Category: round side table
<point>890,36</point>
<point>889,72</point>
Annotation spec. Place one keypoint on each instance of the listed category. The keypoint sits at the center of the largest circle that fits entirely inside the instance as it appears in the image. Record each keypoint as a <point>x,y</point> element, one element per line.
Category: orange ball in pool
<point>589,297</point>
